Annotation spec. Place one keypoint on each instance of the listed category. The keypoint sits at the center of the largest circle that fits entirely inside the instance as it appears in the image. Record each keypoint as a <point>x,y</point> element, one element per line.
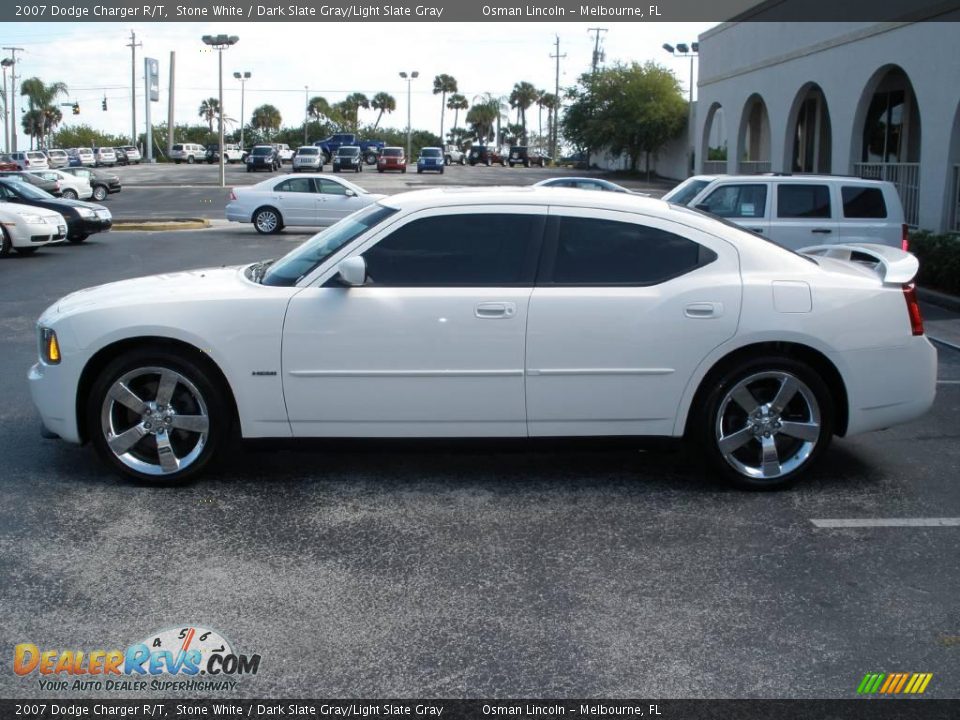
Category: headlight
<point>33,219</point>
<point>49,347</point>
<point>85,212</point>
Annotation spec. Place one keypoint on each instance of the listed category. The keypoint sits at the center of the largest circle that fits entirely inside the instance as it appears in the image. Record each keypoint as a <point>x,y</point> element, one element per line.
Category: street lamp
<point>220,42</point>
<point>413,76</point>
<point>243,84</point>
<point>6,63</point>
<point>691,51</point>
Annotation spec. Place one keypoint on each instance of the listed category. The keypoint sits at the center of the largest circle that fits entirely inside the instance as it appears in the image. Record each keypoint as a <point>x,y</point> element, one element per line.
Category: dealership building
<point>878,100</point>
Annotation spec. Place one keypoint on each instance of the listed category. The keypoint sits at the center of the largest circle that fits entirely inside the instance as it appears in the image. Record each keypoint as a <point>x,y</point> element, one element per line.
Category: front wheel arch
<point>107,354</point>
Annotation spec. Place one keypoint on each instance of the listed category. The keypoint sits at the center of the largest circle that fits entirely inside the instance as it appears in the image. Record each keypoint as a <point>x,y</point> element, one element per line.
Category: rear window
<point>174,148</point>
<point>863,202</point>
<point>36,156</point>
<point>803,201</point>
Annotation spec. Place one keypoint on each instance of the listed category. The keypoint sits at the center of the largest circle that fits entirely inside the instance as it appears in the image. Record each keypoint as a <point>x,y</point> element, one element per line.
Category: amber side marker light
<point>51,348</point>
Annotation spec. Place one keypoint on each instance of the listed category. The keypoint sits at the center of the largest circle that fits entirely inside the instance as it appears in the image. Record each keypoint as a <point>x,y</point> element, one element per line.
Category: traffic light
<point>104,104</point>
<point>76,108</point>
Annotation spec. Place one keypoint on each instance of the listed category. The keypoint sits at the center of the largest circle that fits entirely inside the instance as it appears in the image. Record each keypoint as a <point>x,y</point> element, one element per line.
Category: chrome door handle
<point>488,310</point>
<point>703,310</point>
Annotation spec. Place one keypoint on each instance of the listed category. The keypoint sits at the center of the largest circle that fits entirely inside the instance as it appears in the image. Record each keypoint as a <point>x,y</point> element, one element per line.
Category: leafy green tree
<point>42,99</point>
<point>266,119</point>
<point>632,109</point>
<point>385,103</point>
<point>443,85</point>
<point>522,96</point>
<point>456,102</point>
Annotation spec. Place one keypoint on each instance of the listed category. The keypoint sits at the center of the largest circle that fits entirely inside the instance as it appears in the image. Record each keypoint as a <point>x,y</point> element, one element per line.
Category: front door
<point>297,200</point>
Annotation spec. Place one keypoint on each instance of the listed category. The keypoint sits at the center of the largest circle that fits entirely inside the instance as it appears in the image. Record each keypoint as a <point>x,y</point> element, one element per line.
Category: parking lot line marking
<point>886,522</point>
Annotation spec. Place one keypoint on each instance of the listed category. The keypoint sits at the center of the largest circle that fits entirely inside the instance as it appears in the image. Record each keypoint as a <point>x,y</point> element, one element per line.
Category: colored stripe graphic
<point>894,683</point>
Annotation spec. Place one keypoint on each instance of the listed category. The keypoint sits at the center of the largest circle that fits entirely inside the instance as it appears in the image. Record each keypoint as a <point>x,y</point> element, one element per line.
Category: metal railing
<point>905,177</point>
<point>754,167</point>
<point>714,167</point>
<point>954,225</point>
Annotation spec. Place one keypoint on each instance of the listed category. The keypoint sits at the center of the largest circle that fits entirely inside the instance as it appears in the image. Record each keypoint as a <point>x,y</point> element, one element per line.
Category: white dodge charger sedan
<point>299,199</point>
<point>25,228</point>
<point>497,312</point>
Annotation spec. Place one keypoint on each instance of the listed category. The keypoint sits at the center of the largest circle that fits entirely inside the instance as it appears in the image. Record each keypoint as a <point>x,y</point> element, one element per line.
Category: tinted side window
<point>329,187</point>
<point>297,185</point>
<point>863,202</point>
<point>803,201</point>
<point>481,250</point>
<point>737,201</point>
<point>607,252</point>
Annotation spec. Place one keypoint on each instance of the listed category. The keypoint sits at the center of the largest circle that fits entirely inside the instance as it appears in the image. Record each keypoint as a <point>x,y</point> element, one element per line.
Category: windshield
<point>430,152</point>
<point>347,151</point>
<point>308,151</point>
<point>392,152</point>
<point>262,151</point>
<point>305,259</point>
<point>686,191</point>
<point>33,193</point>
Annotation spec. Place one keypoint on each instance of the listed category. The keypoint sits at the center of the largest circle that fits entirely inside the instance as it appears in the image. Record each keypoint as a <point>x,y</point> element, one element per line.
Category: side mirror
<point>353,271</point>
<point>349,193</point>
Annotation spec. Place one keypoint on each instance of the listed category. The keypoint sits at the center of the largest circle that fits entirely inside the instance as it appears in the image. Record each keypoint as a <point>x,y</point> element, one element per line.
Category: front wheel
<point>156,416</point>
<point>765,422</point>
<point>463,160</point>
<point>99,193</point>
<point>267,221</point>
<point>5,244</point>
<point>70,194</point>
<point>79,238</point>
<point>25,250</point>
<point>190,160</point>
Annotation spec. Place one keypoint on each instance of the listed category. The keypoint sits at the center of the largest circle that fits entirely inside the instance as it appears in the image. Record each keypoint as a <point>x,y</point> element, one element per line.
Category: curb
<point>161,224</point>
<point>941,299</point>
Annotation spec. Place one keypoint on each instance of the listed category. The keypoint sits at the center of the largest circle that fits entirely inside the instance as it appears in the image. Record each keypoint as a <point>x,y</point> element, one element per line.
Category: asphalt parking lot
<point>443,570</point>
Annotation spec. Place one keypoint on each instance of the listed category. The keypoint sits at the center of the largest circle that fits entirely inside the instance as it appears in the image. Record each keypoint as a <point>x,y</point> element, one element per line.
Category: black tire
<point>380,170</point>
<point>69,194</point>
<point>77,239</point>
<point>419,171</point>
<point>267,220</point>
<point>327,157</point>
<point>249,169</point>
<point>526,163</point>
<point>371,159</point>
<point>463,160</point>
<point>176,162</point>
<point>336,169</point>
<point>143,367</point>
<point>189,159</point>
<point>5,244</point>
<point>447,160</point>
<point>26,250</point>
<point>100,193</point>
<point>404,171</point>
<point>441,171</point>
<point>503,162</point>
<point>488,162</point>
<point>809,407</point>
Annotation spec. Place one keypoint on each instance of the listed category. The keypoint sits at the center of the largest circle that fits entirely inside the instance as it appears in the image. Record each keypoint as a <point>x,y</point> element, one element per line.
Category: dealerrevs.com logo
<point>182,658</point>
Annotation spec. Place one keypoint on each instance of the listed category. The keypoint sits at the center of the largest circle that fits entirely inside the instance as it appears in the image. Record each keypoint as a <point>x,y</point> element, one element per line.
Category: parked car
<point>430,159</point>
<point>696,329</point>
<point>30,160</point>
<point>187,152</point>
<point>24,229</point>
<point>102,183</point>
<point>370,149</point>
<point>392,158</point>
<point>308,157</point>
<point>486,155</point>
<point>263,157</point>
<point>49,186</point>
<point>7,163</point>
<point>232,153</point>
<point>799,210</point>
<point>452,155</point>
<point>69,186</point>
<point>128,155</point>
<point>526,156</point>
<point>83,218</point>
<point>348,157</point>
<point>81,157</point>
<point>587,183</point>
<point>284,152</point>
<point>104,156</point>
<point>286,200</point>
<point>57,158</point>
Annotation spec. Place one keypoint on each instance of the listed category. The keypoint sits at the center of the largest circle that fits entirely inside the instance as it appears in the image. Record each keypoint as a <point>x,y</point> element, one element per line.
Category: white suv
<point>188,153</point>
<point>798,211</point>
<point>30,160</point>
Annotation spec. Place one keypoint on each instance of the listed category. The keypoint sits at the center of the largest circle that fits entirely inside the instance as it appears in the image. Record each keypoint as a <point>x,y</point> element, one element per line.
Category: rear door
<point>803,214</point>
<point>745,203</point>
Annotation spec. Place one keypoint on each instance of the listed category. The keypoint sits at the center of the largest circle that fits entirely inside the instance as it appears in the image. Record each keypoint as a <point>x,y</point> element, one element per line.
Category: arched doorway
<point>887,136</point>
<point>810,139</point>
<point>753,143</point>
<point>713,148</point>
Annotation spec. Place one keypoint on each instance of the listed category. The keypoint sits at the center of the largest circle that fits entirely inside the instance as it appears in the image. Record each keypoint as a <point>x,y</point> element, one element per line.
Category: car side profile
<point>25,229</point>
<point>497,312</point>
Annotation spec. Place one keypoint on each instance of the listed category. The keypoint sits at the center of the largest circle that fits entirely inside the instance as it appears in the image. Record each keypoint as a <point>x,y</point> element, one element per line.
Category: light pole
<point>221,42</point>
<point>306,111</point>
<point>243,84</point>
<point>691,51</point>
<point>6,62</point>
<point>413,76</point>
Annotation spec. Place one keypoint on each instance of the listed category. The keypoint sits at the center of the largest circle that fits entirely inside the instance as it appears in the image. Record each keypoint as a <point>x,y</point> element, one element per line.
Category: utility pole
<point>13,97</point>
<point>173,60</point>
<point>556,110</point>
<point>598,55</point>
<point>133,86</point>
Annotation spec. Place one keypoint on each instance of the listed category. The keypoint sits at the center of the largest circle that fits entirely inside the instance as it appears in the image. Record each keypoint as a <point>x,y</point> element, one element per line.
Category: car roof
<point>787,177</point>
<point>525,195</point>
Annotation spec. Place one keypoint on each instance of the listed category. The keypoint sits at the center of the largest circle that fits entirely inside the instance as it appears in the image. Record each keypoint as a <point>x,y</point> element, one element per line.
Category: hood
<point>77,204</point>
<point>154,289</point>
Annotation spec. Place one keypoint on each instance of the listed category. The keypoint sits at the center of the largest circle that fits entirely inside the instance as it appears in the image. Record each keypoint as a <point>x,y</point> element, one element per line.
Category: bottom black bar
<point>594,709</point>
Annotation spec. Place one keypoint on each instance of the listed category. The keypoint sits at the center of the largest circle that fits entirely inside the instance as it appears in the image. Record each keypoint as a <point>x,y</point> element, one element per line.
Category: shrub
<point>939,257</point>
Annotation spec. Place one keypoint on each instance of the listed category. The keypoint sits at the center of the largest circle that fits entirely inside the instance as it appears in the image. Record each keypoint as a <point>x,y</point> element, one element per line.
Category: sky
<point>291,61</point>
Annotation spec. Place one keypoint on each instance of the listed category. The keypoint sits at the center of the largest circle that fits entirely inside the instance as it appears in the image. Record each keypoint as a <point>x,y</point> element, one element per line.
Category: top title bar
<point>483,11</point>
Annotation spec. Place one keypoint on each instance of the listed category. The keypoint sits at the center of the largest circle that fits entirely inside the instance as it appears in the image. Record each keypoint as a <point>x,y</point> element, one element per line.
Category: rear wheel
<point>766,422</point>
<point>100,193</point>
<point>156,416</point>
<point>267,221</point>
<point>5,244</point>
<point>189,159</point>
<point>69,194</point>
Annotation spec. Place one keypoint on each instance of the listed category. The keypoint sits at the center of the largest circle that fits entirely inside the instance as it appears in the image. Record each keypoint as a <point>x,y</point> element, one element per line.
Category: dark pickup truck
<point>369,149</point>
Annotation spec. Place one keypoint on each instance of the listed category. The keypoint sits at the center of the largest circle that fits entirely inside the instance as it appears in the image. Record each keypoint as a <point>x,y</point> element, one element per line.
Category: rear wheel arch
<point>107,354</point>
<point>811,357</point>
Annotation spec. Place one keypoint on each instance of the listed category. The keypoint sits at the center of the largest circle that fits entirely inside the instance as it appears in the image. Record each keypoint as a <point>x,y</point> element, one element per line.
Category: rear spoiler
<point>895,266</point>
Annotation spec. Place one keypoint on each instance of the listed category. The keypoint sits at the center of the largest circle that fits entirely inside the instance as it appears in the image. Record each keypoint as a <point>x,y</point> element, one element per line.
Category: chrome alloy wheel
<point>266,221</point>
<point>768,425</point>
<point>154,421</point>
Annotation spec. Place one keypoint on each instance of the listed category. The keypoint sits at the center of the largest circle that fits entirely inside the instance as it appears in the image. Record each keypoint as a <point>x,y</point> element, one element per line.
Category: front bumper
<point>52,389</point>
<point>88,226</point>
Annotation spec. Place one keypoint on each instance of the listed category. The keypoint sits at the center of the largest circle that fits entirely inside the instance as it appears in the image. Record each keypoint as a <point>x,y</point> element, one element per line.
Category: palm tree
<point>350,106</point>
<point>457,102</point>
<point>443,84</point>
<point>266,118</point>
<point>41,98</point>
<point>482,117</point>
<point>209,109</point>
<point>540,95</point>
<point>384,102</point>
<point>552,103</point>
<point>319,109</point>
<point>524,95</point>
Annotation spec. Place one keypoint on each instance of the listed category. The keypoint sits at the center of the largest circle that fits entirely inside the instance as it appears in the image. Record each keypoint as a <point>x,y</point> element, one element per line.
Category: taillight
<point>233,195</point>
<point>913,309</point>
<point>904,238</point>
